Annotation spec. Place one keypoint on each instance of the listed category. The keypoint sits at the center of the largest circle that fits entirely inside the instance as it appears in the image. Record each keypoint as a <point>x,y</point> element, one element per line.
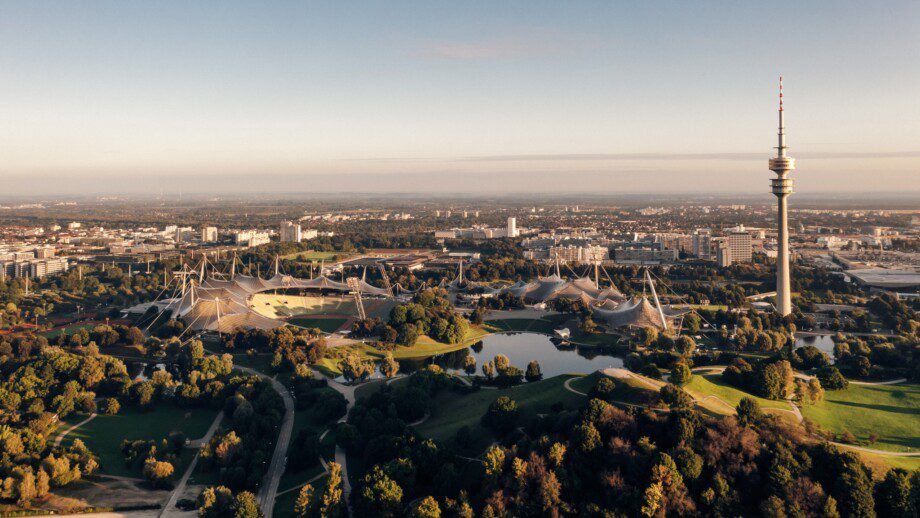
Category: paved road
<point>169,507</point>
<point>269,489</point>
<point>57,442</point>
<point>340,458</point>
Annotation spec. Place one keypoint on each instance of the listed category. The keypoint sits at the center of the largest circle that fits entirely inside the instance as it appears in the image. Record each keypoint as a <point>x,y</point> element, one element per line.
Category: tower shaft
<point>782,165</point>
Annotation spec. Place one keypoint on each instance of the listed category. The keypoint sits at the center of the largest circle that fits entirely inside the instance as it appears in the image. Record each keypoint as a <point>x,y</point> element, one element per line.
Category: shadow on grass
<point>881,408</point>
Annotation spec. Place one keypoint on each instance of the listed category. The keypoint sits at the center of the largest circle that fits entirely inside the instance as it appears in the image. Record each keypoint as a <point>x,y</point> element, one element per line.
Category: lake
<point>521,349</point>
<point>823,342</point>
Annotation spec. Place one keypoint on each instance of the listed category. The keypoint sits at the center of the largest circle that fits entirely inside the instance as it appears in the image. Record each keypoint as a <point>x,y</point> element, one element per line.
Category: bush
<point>680,373</point>
<point>110,406</point>
<point>831,378</point>
<point>502,415</point>
<point>674,396</point>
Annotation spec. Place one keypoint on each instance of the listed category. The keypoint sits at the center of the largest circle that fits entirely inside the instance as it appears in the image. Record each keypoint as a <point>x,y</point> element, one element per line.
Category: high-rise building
<point>782,165</point>
<point>208,234</point>
<point>512,227</point>
<point>702,243</point>
<point>739,242</point>
<point>44,252</point>
<point>723,253</point>
<point>290,232</point>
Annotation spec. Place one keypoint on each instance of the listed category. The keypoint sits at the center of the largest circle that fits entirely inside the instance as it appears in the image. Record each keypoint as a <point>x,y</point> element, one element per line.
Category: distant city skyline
<point>110,97</point>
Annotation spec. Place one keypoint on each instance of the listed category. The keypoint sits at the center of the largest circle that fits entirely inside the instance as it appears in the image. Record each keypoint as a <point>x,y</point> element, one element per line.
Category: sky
<point>398,96</point>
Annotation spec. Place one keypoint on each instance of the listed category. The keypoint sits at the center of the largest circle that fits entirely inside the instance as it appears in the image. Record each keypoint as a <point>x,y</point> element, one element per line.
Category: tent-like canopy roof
<point>636,312</point>
<point>223,305</point>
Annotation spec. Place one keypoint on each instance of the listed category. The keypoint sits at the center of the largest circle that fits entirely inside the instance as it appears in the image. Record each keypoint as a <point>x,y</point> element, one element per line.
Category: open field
<point>880,464</point>
<point>701,386</point>
<point>68,329</point>
<point>452,411</point>
<point>635,390</point>
<point>104,434</point>
<point>284,305</point>
<point>258,361</point>
<point>892,412</point>
<point>313,255</point>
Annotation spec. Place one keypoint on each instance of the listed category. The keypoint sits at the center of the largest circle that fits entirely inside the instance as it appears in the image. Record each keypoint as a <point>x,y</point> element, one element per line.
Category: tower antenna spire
<point>782,165</point>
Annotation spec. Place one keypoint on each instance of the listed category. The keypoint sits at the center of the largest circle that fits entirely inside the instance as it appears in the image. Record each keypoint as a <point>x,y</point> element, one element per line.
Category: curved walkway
<point>340,457</point>
<point>62,435</point>
<point>269,489</point>
<point>168,507</point>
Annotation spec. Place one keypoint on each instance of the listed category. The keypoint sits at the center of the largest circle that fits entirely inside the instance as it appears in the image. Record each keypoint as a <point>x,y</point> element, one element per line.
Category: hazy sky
<point>101,96</point>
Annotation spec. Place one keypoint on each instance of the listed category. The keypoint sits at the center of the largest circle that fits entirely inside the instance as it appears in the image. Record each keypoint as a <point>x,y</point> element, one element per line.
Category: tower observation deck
<point>782,165</point>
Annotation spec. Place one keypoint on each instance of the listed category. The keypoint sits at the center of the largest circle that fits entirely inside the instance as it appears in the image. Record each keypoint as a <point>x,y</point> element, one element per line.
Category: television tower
<point>782,165</point>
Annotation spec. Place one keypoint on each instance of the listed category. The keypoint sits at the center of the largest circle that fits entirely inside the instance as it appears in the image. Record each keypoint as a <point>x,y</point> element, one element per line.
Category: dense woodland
<point>600,460</point>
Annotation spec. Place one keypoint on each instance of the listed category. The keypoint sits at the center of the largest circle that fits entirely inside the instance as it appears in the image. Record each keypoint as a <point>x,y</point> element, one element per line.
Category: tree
<point>680,373</point>
<point>353,368</point>
<point>533,371</point>
<point>25,486</point>
<point>215,502</point>
<point>331,503</point>
<point>304,505</point>
<point>892,495</point>
<point>42,483</point>
<point>380,495</point>
<point>488,370</point>
<point>586,437</point>
<point>245,505</point>
<point>469,364</point>
<point>648,336</point>
<point>686,345</point>
<point>494,463</point>
<point>389,367</point>
<point>675,397</point>
<point>831,378</point>
<point>426,508</point>
<point>502,415</point>
<point>157,472</point>
<point>749,411</point>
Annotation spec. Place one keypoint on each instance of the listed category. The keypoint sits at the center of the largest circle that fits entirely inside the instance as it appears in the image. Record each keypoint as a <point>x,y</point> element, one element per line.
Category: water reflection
<point>521,349</point>
<point>142,371</point>
<point>824,343</point>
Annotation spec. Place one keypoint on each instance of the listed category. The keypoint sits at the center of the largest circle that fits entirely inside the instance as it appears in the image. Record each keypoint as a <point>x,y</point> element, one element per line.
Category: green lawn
<point>313,255</point>
<point>103,435</point>
<point>326,325</point>
<point>451,410</point>
<point>890,411</point>
<point>284,505</point>
<point>423,348</point>
<point>69,329</point>
<point>259,361</point>
<point>303,420</point>
<point>713,384</point>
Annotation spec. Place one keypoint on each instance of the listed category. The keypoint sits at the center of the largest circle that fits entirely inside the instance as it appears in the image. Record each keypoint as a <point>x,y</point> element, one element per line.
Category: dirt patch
<point>106,492</point>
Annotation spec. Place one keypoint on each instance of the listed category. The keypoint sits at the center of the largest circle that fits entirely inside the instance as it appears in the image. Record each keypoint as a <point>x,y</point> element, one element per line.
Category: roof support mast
<point>651,285</point>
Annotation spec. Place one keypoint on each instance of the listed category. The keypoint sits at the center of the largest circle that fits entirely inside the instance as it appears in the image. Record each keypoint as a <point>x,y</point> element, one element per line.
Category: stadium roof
<point>886,278</point>
<point>223,305</point>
